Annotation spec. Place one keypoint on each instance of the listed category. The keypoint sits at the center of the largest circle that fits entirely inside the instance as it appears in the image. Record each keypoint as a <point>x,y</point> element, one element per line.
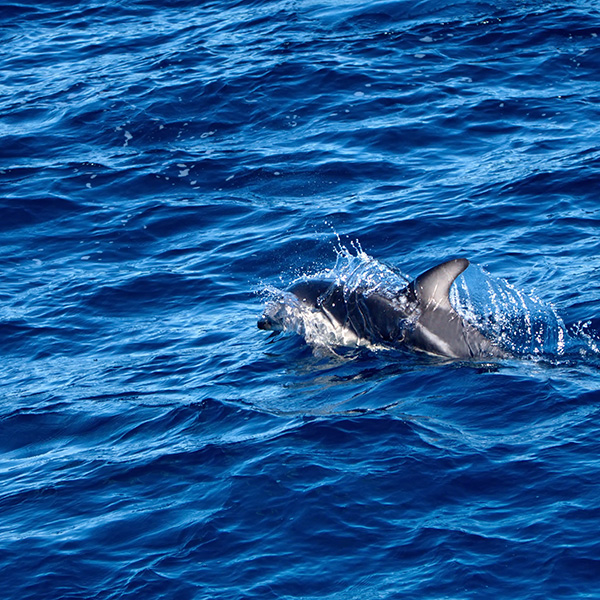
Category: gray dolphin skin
<point>419,317</point>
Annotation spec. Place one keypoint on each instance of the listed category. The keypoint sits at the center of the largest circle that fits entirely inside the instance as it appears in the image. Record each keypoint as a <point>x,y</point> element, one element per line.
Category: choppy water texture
<point>160,165</point>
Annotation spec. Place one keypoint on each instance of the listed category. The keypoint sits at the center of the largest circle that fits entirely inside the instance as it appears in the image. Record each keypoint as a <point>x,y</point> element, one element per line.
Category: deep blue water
<point>161,164</point>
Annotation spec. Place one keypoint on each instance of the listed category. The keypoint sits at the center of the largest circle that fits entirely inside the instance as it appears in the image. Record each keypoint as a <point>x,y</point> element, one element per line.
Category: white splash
<point>518,322</point>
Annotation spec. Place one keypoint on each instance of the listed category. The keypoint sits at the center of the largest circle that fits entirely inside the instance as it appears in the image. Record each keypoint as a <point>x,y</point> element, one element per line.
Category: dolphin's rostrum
<point>420,316</point>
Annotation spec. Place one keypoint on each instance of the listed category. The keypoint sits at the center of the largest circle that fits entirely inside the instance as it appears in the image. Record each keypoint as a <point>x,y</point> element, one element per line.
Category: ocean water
<point>162,165</point>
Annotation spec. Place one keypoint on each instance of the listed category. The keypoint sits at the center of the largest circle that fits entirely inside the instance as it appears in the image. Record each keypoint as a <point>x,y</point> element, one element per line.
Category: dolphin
<point>419,317</point>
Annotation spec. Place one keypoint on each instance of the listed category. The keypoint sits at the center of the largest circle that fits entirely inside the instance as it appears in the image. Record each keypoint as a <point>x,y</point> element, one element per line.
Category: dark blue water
<point>161,164</point>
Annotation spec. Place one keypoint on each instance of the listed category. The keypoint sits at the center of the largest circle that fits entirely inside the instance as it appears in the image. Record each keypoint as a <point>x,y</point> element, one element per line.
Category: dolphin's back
<point>367,315</point>
<point>439,329</point>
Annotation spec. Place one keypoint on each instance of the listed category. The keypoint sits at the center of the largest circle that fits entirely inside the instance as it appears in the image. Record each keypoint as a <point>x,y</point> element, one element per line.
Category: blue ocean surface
<point>164,167</point>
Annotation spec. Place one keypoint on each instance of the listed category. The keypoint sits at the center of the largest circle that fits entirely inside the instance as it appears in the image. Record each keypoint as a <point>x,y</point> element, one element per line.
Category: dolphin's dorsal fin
<point>432,288</point>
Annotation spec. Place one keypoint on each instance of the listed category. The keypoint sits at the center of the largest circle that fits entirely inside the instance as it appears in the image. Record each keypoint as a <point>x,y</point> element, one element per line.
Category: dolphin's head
<point>273,316</point>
